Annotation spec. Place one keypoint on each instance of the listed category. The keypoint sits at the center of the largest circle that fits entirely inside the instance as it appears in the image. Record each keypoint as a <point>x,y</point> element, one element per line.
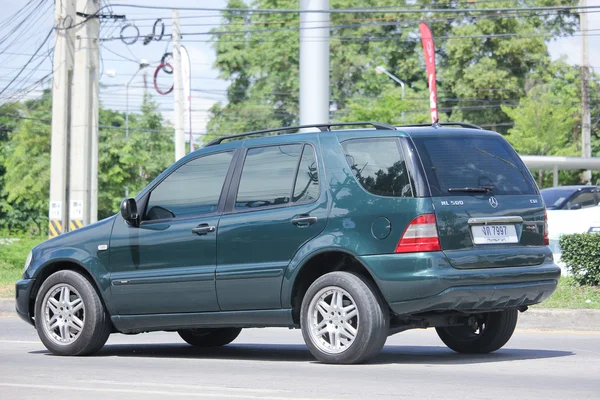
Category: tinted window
<point>306,189</point>
<point>473,161</point>
<point>268,176</point>
<point>585,199</point>
<point>193,189</point>
<point>555,197</point>
<point>379,166</point>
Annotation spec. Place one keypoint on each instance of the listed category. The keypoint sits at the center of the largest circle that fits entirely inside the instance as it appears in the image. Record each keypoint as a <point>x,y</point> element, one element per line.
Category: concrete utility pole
<point>178,88</point>
<point>61,114</point>
<point>586,145</point>
<point>83,186</point>
<point>314,63</point>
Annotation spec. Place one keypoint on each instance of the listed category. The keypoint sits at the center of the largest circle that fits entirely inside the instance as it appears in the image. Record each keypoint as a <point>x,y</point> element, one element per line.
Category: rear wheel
<point>208,337</point>
<point>343,320</point>
<point>69,317</point>
<point>483,335</point>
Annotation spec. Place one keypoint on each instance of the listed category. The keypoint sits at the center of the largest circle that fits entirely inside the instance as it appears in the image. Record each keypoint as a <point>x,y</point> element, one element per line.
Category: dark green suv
<point>350,235</point>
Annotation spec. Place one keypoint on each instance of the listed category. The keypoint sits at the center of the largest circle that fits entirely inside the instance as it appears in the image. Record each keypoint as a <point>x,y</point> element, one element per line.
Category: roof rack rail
<point>437,124</point>
<point>321,127</point>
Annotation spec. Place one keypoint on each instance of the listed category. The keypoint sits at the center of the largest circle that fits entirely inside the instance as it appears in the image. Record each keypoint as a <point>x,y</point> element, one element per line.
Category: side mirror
<point>575,206</point>
<point>129,211</point>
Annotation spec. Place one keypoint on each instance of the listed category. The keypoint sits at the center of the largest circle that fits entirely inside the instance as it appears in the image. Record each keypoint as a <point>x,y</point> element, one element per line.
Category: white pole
<point>314,63</point>
<point>178,88</point>
<point>84,121</point>
<point>586,146</point>
<point>61,114</point>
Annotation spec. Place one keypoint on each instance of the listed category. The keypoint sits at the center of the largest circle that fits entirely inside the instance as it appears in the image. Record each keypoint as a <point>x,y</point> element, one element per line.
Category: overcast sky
<point>123,60</point>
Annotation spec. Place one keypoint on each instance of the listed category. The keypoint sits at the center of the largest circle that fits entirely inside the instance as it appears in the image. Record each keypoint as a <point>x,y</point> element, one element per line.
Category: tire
<point>81,324</point>
<point>349,339</point>
<point>209,337</point>
<point>498,328</point>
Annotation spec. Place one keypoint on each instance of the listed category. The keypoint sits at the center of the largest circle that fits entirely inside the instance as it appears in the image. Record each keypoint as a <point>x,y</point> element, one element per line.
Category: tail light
<point>546,240</point>
<point>420,235</point>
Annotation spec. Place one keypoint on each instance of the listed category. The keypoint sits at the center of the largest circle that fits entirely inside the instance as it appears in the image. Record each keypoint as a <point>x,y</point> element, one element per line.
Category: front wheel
<point>69,316</point>
<point>343,320</point>
<point>209,337</point>
<point>484,335</point>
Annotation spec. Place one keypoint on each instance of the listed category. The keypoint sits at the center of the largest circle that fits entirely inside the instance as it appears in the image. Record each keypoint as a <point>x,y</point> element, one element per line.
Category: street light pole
<point>381,70</point>
<point>142,65</point>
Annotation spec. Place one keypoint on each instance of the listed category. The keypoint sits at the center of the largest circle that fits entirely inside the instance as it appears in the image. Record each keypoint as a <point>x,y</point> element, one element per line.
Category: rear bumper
<point>23,296</point>
<point>421,282</point>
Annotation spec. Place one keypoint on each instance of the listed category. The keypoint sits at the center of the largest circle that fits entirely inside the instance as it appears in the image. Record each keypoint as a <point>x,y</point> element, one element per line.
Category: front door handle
<point>203,229</point>
<point>304,220</point>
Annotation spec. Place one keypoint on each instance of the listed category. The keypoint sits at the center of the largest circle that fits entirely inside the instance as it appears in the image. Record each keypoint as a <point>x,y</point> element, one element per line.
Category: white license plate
<point>494,234</point>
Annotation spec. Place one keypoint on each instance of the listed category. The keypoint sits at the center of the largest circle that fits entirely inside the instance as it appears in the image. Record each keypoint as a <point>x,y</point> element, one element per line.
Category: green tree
<point>483,60</point>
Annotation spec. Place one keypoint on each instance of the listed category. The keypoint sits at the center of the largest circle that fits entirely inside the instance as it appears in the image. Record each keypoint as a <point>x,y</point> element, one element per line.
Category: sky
<point>119,62</point>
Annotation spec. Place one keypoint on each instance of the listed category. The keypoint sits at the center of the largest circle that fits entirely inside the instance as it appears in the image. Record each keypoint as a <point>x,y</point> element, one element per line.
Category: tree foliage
<point>484,60</point>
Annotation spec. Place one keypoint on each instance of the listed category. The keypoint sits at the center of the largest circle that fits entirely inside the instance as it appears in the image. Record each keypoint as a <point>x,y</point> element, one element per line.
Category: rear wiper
<point>480,189</point>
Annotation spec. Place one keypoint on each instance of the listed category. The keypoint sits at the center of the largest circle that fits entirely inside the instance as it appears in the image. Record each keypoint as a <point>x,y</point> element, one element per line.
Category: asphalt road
<point>275,364</point>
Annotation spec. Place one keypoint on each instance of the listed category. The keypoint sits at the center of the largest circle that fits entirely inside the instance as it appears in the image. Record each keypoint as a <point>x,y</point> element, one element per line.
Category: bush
<point>581,255</point>
<point>13,252</point>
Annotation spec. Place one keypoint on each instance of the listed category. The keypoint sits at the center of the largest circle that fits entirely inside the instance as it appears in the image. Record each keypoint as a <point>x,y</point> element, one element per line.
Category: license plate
<point>494,234</point>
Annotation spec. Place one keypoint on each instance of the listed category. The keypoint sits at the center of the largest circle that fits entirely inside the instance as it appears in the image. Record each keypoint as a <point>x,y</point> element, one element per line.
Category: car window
<point>379,166</point>
<point>306,188</point>
<point>268,176</point>
<point>555,197</point>
<point>193,189</point>
<point>585,199</point>
<point>458,162</point>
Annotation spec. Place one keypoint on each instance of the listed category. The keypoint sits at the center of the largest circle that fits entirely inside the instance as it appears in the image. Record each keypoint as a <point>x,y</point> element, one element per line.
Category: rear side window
<point>379,166</point>
<point>278,175</point>
<point>459,162</point>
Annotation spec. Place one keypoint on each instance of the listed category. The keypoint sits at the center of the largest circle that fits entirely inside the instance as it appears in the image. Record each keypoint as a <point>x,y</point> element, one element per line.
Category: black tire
<point>96,322</point>
<point>497,330</point>
<point>209,337</point>
<point>372,320</point>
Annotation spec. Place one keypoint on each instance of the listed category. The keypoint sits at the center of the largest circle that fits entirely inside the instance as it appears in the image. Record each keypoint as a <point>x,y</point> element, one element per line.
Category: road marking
<point>20,341</point>
<point>558,332</point>
<point>151,392</point>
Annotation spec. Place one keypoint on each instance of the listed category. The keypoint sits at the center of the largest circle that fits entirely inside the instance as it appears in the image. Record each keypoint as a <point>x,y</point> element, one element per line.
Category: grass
<point>13,253</point>
<point>570,295</point>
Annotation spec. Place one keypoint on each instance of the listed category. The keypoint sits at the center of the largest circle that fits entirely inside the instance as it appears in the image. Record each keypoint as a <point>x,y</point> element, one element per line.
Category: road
<point>275,364</point>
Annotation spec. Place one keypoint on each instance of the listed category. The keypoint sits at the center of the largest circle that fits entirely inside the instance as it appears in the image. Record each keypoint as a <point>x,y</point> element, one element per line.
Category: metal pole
<point>314,63</point>
<point>189,96</point>
<point>381,70</point>
<point>586,147</point>
<point>178,88</point>
<point>61,114</point>
<point>127,101</point>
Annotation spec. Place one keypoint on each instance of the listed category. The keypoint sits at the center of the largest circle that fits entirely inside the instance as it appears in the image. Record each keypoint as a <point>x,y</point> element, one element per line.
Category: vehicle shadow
<point>392,354</point>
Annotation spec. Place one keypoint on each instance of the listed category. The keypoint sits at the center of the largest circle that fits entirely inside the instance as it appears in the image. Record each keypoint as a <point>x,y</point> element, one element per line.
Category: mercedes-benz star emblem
<point>493,202</point>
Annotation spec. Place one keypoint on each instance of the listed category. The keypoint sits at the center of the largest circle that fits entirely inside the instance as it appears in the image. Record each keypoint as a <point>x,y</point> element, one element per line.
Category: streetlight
<point>143,64</point>
<point>380,70</point>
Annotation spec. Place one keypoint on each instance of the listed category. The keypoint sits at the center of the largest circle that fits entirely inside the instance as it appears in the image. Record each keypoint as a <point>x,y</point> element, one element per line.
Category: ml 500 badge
<point>452,203</point>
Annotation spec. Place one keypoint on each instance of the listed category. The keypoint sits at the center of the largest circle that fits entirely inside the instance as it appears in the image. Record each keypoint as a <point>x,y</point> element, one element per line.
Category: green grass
<point>13,252</point>
<point>570,295</point>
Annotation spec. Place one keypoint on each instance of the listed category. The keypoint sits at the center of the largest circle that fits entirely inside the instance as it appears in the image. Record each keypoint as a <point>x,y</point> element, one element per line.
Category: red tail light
<point>546,240</point>
<point>420,235</point>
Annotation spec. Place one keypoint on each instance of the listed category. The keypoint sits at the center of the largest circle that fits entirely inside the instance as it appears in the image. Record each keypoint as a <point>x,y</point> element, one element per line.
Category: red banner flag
<point>428,49</point>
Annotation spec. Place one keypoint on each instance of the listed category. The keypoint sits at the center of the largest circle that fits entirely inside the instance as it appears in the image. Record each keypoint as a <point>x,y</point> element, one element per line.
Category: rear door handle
<point>304,220</point>
<point>203,229</point>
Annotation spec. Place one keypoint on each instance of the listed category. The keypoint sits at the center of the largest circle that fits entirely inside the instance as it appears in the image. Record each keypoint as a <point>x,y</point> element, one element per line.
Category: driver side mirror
<point>575,206</point>
<point>129,212</point>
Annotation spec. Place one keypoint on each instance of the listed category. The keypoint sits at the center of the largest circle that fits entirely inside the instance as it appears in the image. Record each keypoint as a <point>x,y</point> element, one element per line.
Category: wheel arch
<point>63,265</point>
<point>318,264</point>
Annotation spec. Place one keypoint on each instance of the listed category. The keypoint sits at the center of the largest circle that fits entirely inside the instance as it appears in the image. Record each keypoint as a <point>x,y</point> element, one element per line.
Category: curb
<point>560,319</point>
<point>547,319</point>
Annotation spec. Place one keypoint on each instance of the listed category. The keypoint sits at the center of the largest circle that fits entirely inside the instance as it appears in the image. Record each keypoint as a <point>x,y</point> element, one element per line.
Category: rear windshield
<point>459,162</point>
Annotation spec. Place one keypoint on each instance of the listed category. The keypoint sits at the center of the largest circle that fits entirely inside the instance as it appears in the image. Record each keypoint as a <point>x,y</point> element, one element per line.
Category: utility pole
<point>178,88</point>
<point>586,146</point>
<point>83,186</point>
<point>314,62</point>
<point>61,114</point>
